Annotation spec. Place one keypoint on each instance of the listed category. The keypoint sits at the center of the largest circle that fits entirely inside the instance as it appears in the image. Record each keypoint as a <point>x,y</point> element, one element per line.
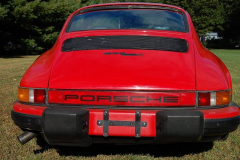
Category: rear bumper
<point>82,127</point>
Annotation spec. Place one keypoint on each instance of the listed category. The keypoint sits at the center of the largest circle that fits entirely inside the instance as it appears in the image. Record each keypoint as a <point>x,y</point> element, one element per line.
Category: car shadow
<point>164,150</point>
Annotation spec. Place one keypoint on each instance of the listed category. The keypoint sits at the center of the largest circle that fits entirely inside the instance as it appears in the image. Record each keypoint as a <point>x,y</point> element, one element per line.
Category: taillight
<point>204,99</point>
<point>31,95</point>
<point>214,98</point>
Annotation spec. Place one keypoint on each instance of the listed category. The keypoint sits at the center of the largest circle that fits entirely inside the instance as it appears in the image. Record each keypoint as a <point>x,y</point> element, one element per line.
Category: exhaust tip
<point>26,136</point>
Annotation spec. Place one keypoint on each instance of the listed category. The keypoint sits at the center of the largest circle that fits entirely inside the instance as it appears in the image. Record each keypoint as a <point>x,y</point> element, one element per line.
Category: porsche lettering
<point>133,99</point>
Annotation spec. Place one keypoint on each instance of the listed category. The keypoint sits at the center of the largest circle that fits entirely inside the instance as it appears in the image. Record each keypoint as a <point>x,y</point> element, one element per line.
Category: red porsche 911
<point>126,73</point>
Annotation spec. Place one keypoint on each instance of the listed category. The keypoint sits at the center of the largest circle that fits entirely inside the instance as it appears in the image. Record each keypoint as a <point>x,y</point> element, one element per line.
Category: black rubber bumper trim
<point>26,121</point>
<point>211,126</point>
<point>234,104</point>
<point>130,107</point>
<point>221,126</point>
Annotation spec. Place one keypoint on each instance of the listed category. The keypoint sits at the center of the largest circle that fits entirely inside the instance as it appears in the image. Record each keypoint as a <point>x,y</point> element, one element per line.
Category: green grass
<point>11,71</point>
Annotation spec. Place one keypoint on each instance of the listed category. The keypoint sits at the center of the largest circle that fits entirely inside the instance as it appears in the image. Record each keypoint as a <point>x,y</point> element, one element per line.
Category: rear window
<point>129,19</point>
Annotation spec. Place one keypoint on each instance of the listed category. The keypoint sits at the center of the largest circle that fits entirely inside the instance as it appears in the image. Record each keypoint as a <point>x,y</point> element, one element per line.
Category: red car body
<point>126,95</point>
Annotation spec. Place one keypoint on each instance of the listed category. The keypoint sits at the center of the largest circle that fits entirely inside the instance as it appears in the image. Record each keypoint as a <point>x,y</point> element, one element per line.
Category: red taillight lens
<point>204,99</point>
<point>31,95</point>
<point>214,98</point>
<point>39,96</point>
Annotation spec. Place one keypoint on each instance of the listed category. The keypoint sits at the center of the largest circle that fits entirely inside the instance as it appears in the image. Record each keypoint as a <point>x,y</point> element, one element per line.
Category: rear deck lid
<point>124,63</point>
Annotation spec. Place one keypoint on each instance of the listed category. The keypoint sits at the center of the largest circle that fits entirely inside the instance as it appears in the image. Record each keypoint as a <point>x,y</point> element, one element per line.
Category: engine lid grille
<point>125,42</point>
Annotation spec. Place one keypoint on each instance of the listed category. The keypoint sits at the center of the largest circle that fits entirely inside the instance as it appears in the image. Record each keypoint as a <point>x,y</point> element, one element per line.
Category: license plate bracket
<point>106,123</point>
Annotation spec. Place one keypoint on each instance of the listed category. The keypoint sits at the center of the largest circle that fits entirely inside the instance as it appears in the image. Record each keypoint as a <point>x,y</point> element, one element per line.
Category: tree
<point>232,22</point>
<point>31,27</point>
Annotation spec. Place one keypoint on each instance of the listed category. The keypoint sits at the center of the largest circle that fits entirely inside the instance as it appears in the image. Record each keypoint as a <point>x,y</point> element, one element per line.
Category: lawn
<point>11,71</point>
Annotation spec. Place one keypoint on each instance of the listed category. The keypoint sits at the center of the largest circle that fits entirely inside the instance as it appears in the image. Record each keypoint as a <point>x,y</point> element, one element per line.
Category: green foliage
<point>231,22</point>
<point>32,26</point>
<point>207,16</point>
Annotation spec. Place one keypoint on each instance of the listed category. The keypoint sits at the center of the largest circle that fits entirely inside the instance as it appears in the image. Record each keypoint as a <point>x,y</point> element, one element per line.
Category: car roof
<point>122,5</point>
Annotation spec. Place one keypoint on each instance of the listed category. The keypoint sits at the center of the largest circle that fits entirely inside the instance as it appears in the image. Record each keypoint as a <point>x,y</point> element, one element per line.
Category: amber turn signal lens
<point>214,98</point>
<point>223,98</point>
<point>23,94</point>
<point>31,95</point>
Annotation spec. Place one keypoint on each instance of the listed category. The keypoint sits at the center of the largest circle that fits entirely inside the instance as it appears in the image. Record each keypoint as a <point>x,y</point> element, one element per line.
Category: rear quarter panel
<point>211,73</point>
